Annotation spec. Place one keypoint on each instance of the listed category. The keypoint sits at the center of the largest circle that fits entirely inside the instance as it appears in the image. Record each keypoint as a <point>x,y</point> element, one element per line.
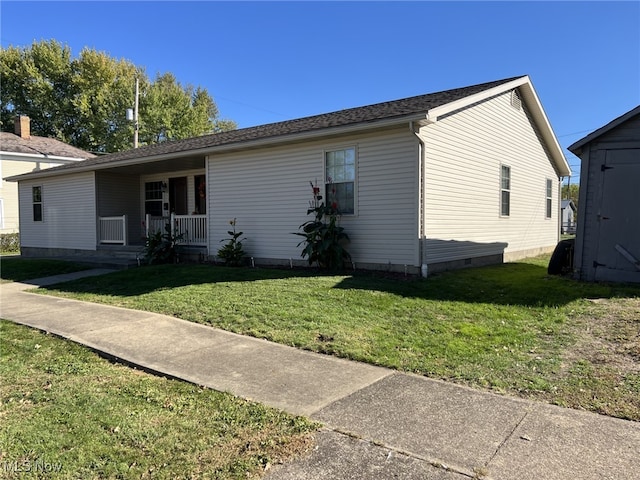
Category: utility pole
<point>133,116</point>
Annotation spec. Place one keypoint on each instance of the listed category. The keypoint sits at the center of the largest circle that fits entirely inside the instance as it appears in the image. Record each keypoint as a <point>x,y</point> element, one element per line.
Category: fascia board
<point>437,112</point>
<point>231,147</point>
<point>532,102</point>
<point>576,147</point>
<point>31,157</point>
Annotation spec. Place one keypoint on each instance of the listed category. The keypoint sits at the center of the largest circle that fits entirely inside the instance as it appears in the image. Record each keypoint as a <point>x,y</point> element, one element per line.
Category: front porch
<point>189,230</point>
<point>136,202</point>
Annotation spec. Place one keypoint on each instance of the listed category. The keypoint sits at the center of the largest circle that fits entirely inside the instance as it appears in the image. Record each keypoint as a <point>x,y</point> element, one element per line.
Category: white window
<point>36,196</point>
<point>505,190</point>
<point>340,178</point>
<point>1,213</point>
<point>549,196</point>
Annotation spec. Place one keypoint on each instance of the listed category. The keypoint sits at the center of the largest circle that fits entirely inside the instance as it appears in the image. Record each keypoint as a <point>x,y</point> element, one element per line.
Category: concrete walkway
<point>378,423</point>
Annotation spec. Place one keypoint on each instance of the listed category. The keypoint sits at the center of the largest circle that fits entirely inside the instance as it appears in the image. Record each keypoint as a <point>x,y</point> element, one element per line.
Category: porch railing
<point>113,229</point>
<point>155,224</point>
<point>193,228</point>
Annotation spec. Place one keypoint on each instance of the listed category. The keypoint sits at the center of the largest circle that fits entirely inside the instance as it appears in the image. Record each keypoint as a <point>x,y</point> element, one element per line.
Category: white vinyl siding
<point>268,192</point>
<point>9,190</point>
<point>68,213</point>
<point>463,154</point>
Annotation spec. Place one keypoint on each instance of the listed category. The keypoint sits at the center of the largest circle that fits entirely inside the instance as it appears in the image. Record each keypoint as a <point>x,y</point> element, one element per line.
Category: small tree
<point>324,239</point>
<point>232,252</point>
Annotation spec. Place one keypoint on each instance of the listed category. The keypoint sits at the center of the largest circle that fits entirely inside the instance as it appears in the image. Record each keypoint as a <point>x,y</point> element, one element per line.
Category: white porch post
<point>124,230</point>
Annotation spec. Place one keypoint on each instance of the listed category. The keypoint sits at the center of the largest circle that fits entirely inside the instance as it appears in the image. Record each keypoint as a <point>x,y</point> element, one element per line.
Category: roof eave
<point>228,147</point>
<point>535,107</point>
<point>576,148</point>
<point>37,157</point>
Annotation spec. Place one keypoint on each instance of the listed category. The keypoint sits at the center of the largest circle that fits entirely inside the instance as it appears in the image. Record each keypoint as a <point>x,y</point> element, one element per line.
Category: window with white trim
<point>153,198</point>
<point>549,198</point>
<point>505,190</point>
<point>340,178</point>
<point>36,197</point>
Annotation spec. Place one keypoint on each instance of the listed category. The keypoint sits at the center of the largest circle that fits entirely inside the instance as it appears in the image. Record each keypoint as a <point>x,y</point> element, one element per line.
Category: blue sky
<point>266,62</point>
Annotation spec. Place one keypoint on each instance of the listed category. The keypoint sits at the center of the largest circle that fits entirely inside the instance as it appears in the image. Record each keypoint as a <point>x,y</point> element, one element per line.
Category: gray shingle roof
<point>10,142</point>
<point>405,107</point>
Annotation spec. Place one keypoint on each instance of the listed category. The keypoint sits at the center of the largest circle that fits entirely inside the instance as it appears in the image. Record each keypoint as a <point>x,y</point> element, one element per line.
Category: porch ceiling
<point>194,162</point>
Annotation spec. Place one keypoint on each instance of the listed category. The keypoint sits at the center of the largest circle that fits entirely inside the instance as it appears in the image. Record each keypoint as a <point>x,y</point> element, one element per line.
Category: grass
<point>67,413</point>
<point>17,269</point>
<point>509,328</point>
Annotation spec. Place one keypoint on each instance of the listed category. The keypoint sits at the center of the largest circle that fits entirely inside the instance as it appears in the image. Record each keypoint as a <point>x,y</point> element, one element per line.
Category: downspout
<point>421,201</point>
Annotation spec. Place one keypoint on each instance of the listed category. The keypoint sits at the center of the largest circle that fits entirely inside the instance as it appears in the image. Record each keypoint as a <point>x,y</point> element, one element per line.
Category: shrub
<point>161,247</point>
<point>9,242</point>
<point>232,252</point>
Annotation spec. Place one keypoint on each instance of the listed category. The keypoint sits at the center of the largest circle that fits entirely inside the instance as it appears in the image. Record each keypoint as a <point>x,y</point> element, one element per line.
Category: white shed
<point>568,211</point>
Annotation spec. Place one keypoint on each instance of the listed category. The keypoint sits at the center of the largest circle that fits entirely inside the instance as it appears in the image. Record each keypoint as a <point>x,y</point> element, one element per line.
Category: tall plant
<point>324,238</point>
<point>232,252</point>
<point>161,247</point>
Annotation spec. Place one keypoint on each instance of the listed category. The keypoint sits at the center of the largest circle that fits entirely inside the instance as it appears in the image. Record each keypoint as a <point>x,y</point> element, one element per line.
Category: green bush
<point>9,242</point>
<point>161,247</point>
<point>232,252</point>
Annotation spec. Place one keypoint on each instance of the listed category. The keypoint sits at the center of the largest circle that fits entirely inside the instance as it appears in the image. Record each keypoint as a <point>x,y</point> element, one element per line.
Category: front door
<point>178,203</point>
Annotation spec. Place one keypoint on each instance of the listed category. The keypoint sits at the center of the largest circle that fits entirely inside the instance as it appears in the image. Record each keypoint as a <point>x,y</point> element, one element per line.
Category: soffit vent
<point>516,102</point>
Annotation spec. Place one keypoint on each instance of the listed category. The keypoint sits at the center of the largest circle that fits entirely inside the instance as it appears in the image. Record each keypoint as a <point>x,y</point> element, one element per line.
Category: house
<point>456,178</point>
<point>568,211</point>
<point>21,153</point>
<point>608,237</point>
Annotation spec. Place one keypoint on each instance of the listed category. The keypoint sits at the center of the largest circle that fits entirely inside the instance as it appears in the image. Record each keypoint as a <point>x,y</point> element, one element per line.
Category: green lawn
<point>509,328</point>
<point>66,413</point>
<point>17,269</point>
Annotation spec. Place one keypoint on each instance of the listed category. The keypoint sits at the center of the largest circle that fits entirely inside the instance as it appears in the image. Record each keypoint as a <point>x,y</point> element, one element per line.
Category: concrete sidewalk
<point>378,423</point>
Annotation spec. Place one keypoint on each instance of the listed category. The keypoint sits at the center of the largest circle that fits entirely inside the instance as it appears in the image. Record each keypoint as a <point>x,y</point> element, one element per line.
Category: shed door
<point>619,217</point>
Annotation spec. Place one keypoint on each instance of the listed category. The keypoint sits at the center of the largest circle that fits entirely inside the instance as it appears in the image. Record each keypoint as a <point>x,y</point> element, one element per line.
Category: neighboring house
<point>21,153</point>
<point>456,178</point>
<point>608,237</point>
<point>568,215</point>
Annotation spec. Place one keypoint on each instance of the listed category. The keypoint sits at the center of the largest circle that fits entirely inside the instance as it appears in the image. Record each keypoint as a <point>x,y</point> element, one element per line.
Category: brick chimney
<point>23,127</point>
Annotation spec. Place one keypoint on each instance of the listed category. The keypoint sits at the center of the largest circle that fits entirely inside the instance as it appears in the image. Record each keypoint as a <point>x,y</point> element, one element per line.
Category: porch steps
<point>114,256</point>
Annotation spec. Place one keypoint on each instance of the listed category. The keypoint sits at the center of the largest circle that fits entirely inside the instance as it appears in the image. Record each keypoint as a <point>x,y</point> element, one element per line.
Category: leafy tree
<point>36,82</point>
<point>83,101</point>
<point>571,192</point>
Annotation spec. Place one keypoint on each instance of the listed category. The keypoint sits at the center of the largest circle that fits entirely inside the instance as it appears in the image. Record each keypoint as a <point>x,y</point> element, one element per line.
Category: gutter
<point>38,157</point>
<point>224,148</point>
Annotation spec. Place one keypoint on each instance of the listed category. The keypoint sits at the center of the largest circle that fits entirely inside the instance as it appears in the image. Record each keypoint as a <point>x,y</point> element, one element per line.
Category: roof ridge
<point>383,111</point>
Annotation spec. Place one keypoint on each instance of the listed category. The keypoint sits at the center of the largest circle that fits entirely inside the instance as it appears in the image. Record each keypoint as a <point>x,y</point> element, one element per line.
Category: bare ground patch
<point>601,370</point>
